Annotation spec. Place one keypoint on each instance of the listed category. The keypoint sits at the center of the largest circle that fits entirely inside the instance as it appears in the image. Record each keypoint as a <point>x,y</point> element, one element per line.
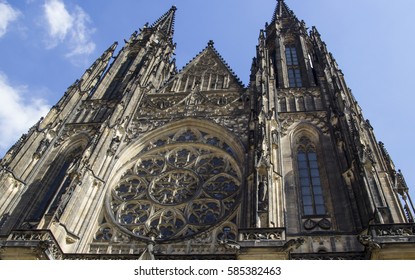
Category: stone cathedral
<point>141,161</point>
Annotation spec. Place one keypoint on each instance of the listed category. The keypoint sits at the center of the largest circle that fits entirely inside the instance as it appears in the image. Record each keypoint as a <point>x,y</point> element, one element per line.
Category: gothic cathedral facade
<point>140,161</point>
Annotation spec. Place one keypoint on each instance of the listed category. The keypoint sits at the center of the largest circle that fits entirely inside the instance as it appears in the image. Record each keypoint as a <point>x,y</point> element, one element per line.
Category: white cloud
<point>8,14</point>
<point>71,28</point>
<point>17,112</point>
<point>59,21</point>
<point>80,35</point>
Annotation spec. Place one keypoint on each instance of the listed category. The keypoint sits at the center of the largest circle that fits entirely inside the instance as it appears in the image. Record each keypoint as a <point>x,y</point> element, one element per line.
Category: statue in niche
<point>370,156</point>
<point>115,143</point>
<point>74,167</point>
<point>263,195</point>
<point>44,144</point>
<point>362,152</point>
<point>275,137</point>
<point>119,132</point>
<point>262,131</point>
<point>366,155</point>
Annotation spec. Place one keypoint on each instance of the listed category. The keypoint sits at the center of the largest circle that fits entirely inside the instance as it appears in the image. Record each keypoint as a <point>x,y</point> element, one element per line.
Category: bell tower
<point>65,158</point>
<point>328,179</point>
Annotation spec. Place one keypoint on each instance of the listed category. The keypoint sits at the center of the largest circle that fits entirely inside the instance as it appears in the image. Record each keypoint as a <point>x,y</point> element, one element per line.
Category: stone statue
<point>263,195</point>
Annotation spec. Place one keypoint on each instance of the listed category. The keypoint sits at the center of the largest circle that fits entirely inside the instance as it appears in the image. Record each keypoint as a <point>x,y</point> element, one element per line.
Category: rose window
<point>180,189</point>
<point>174,187</point>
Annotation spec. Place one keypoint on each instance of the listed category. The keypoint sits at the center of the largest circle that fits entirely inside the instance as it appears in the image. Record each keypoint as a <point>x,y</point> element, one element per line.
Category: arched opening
<point>309,178</point>
<point>47,192</point>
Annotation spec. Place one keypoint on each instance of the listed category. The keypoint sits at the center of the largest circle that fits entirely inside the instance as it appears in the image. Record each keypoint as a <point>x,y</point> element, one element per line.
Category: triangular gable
<point>206,72</point>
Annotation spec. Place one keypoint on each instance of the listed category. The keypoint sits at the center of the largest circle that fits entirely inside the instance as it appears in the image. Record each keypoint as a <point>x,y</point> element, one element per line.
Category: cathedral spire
<point>282,11</point>
<point>165,24</point>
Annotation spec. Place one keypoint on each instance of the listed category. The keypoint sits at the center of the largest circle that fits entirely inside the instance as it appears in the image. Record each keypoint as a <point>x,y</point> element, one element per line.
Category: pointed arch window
<point>62,184</point>
<point>56,184</point>
<point>293,67</point>
<point>309,178</point>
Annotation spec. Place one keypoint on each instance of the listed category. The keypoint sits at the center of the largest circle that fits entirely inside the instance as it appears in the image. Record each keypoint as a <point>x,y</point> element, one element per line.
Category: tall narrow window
<point>310,183</point>
<point>53,187</point>
<point>294,77</point>
<point>293,67</point>
<point>291,55</point>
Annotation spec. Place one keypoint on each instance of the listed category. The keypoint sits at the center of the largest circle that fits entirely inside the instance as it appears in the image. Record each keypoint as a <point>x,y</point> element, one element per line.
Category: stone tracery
<point>182,184</point>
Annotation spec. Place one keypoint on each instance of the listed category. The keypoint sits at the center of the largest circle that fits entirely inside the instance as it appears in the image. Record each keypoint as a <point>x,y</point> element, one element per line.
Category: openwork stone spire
<point>165,24</point>
<point>282,11</point>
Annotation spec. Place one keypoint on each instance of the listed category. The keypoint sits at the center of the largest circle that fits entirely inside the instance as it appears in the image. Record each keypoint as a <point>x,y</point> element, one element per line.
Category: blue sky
<point>45,45</point>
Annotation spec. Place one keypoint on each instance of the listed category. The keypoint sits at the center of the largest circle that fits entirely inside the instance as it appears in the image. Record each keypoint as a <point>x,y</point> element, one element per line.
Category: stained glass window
<point>294,74</point>
<point>181,188</point>
<point>309,178</point>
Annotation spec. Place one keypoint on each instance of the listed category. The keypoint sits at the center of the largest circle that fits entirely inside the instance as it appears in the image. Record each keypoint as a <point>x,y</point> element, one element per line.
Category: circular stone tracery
<point>178,189</point>
<point>174,187</point>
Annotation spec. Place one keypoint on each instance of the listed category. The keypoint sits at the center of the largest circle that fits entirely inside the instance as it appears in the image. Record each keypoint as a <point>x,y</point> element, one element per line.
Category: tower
<point>141,161</point>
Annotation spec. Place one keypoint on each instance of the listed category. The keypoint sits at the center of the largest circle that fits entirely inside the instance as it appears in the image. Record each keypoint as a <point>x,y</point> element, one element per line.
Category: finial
<point>173,8</point>
<point>211,43</point>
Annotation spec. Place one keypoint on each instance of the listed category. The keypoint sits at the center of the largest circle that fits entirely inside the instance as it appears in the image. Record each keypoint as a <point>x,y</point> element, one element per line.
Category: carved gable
<point>205,89</point>
<point>206,72</point>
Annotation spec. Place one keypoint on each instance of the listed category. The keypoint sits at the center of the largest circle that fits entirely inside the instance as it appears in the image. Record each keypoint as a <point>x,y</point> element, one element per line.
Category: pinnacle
<point>109,52</point>
<point>282,11</point>
<point>166,22</point>
<point>113,46</point>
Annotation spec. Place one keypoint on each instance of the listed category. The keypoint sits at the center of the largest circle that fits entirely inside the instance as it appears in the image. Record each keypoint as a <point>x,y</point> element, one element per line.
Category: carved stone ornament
<point>317,119</point>
<point>367,241</point>
<point>298,92</point>
<point>43,242</point>
<point>181,185</point>
<point>310,224</point>
<point>74,129</point>
<point>396,230</point>
<point>195,104</point>
<point>261,234</point>
<point>324,224</point>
